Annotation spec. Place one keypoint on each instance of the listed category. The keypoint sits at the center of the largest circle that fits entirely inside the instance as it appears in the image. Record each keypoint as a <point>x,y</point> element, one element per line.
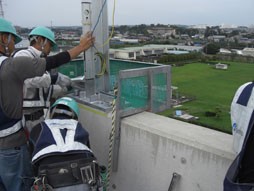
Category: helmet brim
<point>54,45</point>
<point>17,39</point>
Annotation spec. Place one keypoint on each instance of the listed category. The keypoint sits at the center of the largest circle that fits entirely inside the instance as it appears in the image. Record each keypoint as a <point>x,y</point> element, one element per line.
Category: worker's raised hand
<point>87,40</point>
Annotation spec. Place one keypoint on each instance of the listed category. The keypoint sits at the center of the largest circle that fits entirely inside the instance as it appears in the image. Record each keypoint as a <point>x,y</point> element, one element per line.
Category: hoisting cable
<point>111,140</point>
<point>113,25</point>
<point>103,5</point>
<point>98,53</point>
<point>113,21</point>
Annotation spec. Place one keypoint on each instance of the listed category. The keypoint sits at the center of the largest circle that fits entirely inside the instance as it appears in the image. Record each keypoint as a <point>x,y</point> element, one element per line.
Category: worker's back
<point>240,175</point>
<point>61,155</point>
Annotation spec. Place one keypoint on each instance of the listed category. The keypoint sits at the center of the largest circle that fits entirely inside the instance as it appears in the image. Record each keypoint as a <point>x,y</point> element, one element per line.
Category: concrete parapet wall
<point>153,147</point>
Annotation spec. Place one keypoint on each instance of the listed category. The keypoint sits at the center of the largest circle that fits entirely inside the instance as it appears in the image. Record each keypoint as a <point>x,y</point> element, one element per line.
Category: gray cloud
<point>32,13</point>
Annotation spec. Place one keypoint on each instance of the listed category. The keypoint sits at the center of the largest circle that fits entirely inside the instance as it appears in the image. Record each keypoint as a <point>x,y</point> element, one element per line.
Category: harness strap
<point>2,58</point>
<point>38,103</point>
<point>17,126</point>
<point>11,130</point>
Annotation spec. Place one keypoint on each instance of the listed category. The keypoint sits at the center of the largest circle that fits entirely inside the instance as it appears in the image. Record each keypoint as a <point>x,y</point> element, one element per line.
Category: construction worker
<point>39,91</point>
<point>61,154</point>
<point>240,175</point>
<point>14,156</point>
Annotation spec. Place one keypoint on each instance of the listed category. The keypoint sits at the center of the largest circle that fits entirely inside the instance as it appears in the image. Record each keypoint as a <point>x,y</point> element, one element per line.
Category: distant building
<point>246,40</point>
<point>131,41</point>
<point>148,50</point>
<point>236,51</point>
<point>177,52</point>
<point>225,51</point>
<point>221,66</point>
<point>22,44</point>
<point>184,36</point>
<point>248,51</point>
<point>217,38</point>
<point>68,35</point>
<point>162,31</point>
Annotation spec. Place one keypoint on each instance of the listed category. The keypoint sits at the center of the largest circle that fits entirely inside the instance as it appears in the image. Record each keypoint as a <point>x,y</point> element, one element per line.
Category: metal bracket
<point>175,179</point>
<point>87,175</point>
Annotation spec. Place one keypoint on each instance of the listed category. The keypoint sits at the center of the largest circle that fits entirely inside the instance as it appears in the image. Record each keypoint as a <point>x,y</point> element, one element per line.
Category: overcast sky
<point>30,13</point>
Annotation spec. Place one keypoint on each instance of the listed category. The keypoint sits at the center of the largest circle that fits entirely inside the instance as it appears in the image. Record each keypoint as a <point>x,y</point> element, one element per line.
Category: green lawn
<point>213,90</point>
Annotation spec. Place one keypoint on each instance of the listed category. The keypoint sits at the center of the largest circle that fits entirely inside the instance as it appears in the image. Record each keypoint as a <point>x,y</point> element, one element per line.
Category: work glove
<point>63,81</point>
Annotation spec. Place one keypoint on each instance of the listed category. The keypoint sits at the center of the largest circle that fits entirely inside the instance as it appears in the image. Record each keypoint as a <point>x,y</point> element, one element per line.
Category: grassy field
<point>213,90</point>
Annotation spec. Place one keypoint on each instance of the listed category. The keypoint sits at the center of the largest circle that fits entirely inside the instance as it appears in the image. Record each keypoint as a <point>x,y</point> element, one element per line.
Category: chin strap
<point>62,111</point>
<point>42,44</point>
<point>6,48</point>
<point>43,54</point>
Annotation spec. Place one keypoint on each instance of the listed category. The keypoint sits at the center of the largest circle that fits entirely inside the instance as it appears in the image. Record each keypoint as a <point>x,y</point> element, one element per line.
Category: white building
<point>248,51</point>
<point>225,51</point>
<point>221,66</point>
<point>162,31</point>
<point>133,52</point>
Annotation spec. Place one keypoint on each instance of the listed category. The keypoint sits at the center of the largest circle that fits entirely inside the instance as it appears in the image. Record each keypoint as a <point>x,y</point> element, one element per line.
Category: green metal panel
<point>118,65</point>
<point>75,68</point>
<point>134,93</point>
<point>159,90</point>
<point>72,69</point>
<point>142,87</point>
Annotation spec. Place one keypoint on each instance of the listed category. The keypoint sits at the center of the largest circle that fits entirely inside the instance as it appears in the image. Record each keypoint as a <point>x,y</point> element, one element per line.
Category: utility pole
<point>1,9</point>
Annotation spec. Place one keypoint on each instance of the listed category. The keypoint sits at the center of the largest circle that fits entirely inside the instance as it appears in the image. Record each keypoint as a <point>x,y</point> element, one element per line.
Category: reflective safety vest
<point>242,114</point>
<point>59,136</point>
<point>8,126</point>
<point>242,118</point>
<point>38,98</point>
<point>41,100</point>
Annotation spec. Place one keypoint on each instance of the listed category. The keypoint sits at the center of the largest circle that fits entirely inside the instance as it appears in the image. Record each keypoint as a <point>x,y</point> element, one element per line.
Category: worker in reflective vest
<point>14,156</point>
<point>61,154</point>
<point>39,91</point>
<point>240,175</point>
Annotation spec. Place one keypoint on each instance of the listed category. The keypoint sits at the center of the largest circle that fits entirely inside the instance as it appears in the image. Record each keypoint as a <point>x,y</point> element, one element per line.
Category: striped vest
<point>242,119</point>
<point>8,126</point>
<point>242,114</point>
<point>59,136</point>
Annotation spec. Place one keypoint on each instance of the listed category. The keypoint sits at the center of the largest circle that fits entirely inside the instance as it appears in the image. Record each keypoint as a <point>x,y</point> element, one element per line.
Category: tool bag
<point>68,173</point>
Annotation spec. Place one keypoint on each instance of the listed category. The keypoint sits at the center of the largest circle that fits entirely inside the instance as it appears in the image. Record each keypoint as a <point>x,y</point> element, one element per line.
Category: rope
<point>111,137</point>
<point>103,64</point>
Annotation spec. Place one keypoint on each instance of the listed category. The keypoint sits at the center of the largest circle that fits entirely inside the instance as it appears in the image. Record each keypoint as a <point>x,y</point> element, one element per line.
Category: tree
<point>211,48</point>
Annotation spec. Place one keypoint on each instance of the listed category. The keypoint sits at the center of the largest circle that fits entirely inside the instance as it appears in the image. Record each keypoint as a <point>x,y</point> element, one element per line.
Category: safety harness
<point>9,126</point>
<point>41,99</point>
<point>52,140</point>
<point>58,138</point>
